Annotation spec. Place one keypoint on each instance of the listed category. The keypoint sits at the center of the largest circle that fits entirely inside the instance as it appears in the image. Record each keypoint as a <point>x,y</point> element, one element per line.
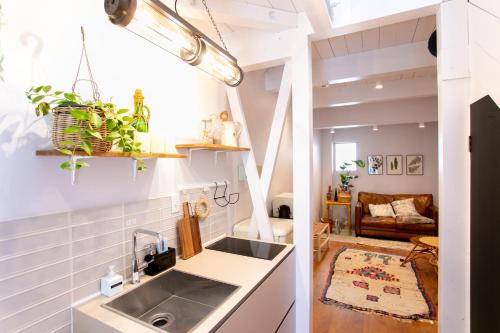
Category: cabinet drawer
<point>264,310</point>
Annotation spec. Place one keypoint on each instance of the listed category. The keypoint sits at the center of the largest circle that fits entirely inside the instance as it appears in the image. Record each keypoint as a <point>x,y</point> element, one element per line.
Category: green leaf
<point>113,136</point>
<point>87,147</point>
<point>47,88</point>
<point>79,114</point>
<point>65,166</point>
<point>57,93</point>
<point>72,130</point>
<point>127,128</point>
<point>79,164</point>
<point>38,89</point>
<point>37,99</point>
<point>128,119</point>
<point>121,111</point>
<point>65,151</point>
<point>96,120</point>
<point>67,143</point>
<point>71,97</point>
<point>95,134</point>
<point>111,124</point>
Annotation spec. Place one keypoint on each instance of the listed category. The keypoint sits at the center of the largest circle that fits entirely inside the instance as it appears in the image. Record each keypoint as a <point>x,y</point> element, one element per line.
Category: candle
<point>157,144</point>
<point>144,139</point>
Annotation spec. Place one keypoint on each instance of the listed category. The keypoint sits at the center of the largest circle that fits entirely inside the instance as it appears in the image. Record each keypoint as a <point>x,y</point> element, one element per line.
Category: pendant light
<point>157,23</point>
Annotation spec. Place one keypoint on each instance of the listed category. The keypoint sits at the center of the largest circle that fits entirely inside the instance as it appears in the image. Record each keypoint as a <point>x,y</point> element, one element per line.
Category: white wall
<point>317,194</point>
<point>406,139</point>
<point>42,46</point>
<point>259,106</point>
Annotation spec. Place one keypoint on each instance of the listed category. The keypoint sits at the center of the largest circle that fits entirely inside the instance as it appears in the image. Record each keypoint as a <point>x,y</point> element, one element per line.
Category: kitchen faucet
<point>135,264</point>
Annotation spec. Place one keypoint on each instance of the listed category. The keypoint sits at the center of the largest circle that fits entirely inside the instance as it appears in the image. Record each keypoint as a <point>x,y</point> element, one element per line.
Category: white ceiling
<point>413,31</point>
<point>286,5</point>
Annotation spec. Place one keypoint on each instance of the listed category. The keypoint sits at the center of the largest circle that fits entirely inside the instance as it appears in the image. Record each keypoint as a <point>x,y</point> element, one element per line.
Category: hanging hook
<point>83,33</point>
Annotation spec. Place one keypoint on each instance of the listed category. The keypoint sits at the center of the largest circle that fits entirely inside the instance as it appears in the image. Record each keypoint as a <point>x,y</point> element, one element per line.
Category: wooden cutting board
<point>186,234</point>
<point>195,232</point>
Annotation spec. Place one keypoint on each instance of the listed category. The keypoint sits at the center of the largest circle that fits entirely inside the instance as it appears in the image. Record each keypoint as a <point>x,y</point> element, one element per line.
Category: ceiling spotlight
<point>325,85</point>
<point>375,128</point>
<point>379,86</point>
<point>332,131</point>
<point>421,125</point>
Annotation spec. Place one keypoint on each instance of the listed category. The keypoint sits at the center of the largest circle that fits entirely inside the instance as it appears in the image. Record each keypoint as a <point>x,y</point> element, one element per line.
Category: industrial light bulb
<point>220,66</point>
<point>375,128</point>
<point>155,22</point>
<point>332,131</point>
<point>421,125</point>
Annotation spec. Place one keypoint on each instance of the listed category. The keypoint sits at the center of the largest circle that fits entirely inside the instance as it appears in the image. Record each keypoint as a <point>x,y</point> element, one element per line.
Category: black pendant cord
<point>175,7</point>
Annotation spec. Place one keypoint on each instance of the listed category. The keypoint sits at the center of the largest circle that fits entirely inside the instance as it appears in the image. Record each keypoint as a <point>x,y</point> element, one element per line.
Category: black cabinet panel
<point>485,216</point>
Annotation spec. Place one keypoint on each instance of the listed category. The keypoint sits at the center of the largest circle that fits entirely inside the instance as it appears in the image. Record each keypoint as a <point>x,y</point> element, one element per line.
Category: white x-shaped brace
<point>259,187</point>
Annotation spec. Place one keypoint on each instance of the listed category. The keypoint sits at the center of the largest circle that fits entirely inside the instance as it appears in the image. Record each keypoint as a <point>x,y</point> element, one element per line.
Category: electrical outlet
<point>176,204</point>
<point>131,222</point>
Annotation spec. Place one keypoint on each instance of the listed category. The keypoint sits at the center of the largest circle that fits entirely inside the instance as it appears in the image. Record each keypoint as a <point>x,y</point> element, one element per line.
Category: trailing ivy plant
<point>89,121</point>
<point>345,175</point>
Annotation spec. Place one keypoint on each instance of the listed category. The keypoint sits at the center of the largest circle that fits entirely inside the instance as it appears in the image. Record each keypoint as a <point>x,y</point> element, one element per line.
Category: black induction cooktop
<point>248,248</point>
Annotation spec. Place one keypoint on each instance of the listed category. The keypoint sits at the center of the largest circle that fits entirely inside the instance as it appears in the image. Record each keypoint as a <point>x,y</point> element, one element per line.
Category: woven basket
<point>63,120</point>
<point>344,197</point>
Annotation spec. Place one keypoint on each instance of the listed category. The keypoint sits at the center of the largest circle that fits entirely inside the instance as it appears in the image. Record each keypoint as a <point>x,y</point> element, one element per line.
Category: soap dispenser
<point>112,283</point>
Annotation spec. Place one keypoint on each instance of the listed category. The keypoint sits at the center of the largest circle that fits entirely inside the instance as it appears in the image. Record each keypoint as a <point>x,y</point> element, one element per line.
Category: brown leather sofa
<point>390,227</point>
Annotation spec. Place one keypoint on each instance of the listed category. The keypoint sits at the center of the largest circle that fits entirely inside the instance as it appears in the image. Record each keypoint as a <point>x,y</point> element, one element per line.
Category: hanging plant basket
<point>63,120</point>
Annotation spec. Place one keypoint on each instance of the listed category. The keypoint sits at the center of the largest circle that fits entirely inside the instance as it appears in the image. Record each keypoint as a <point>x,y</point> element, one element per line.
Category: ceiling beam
<point>237,13</point>
<point>382,113</point>
<point>365,65</point>
<point>368,14</point>
<point>366,93</point>
<point>317,13</point>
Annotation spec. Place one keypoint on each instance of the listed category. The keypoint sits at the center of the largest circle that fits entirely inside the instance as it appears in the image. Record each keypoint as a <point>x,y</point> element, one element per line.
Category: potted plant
<point>344,194</point>
<point>86,126</point>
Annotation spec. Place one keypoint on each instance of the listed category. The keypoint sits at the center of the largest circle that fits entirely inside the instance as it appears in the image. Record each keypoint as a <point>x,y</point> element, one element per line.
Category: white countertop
<point>242,271</point>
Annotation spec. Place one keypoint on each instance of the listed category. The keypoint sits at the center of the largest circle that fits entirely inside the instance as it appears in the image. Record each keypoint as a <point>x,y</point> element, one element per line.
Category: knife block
<point>160,263</point>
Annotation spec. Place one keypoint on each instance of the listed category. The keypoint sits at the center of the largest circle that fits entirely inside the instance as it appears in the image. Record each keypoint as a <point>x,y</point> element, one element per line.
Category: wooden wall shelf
<point>111,154</point>
<point>214,147</point>
<point>54,152</point>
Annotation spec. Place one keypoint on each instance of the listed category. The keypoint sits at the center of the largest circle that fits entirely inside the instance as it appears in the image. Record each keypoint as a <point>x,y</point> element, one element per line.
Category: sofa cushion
<point>373,198</point>
<point>416,227</point>
<point>404,207</point>
<point>414,219</point>
<point>381,210</point>
<point>378,222</point>
<point>422,201</point>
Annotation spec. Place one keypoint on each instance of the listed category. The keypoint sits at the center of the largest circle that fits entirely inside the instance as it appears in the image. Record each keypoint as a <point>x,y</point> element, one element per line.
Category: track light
<point>375,128</point>
<point>421,125</point>
<point>157,23</point>
<point>332,131</point>
<point>379,86</point>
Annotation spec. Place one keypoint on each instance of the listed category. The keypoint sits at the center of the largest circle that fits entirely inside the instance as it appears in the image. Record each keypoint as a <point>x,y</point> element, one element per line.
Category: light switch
<point>176,204</point>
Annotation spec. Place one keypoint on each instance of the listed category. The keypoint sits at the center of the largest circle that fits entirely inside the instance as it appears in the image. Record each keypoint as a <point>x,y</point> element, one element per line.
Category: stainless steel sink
<point>174,302</point>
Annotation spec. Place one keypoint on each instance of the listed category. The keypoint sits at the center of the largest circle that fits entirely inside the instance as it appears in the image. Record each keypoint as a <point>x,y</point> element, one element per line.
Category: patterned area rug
<point>375,282</point>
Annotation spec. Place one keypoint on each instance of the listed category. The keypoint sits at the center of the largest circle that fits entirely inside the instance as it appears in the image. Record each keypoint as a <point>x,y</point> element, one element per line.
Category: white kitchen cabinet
<point>268,305</point>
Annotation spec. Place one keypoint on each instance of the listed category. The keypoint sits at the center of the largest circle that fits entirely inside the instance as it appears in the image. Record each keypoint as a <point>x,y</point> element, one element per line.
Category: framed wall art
<point>375,164</point>
<point>394,164</point>
<point>414,165</point>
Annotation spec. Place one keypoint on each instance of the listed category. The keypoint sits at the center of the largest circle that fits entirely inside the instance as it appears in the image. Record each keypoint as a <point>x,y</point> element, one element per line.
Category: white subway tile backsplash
<point>51,324</point>
<point>36,241</point>
<point>96,228</point>
<point>18,264</point>
<point>93,273</point>
<point>63,329</point>
<point>96,214</point>
<point>147,205</point>
<point>36,295</point>
<point>91,259</point>
<point>35,313</point>
<point>25,281</point>
<point>95,243</point>
<point>16,228</point>
<point>50,262</point>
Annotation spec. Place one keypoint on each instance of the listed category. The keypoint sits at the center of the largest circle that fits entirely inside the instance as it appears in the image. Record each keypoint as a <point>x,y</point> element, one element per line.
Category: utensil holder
<point>160,262</point>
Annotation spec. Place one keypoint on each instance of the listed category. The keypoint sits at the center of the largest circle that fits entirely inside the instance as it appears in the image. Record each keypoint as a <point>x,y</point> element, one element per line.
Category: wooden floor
<point>332,319</point>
